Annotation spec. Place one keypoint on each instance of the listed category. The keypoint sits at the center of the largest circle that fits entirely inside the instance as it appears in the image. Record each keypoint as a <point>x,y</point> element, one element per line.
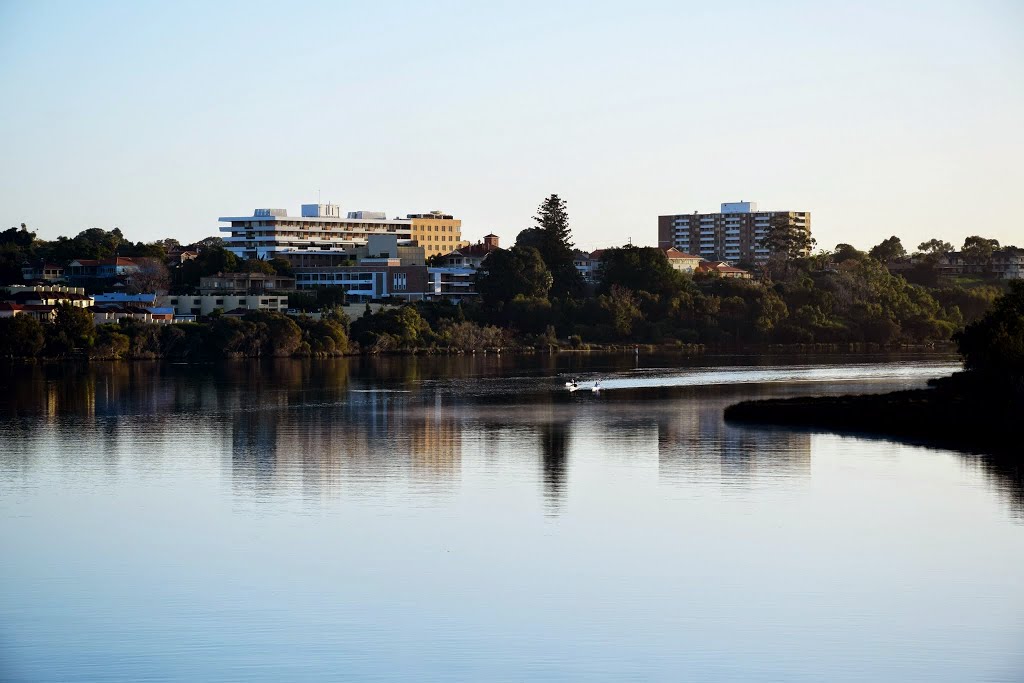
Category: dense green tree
<point>623,308</point>
<point>155,250</point>
<point>279,334</point>
<point>281,266</point>
<point>391,329</point>
<point>72,330</point>
<point>93,243</point>
<point>111,343</point>
<point>888,250</point>
<point>787,240</point>
<point>847,252</point>
<point>552,222</point>
<point>324,337</point>
<point>211,261</point>
<point>17,246</point>
<point>934,248</point>
<point>978,250</point>
<point>508,273</point>
<point>255,265</point>
<point>19,237</point>
<point>639,269</point>
<point>21,336</point>
<point>993,346</point>
<point>532,237</point>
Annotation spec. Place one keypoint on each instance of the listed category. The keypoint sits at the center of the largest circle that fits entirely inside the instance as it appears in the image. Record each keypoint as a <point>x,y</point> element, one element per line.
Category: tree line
<point>531,295</point>
<point>20,246</point>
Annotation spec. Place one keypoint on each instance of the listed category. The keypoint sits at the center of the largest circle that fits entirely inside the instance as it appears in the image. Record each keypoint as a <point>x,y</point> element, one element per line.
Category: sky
<point>879,118</point>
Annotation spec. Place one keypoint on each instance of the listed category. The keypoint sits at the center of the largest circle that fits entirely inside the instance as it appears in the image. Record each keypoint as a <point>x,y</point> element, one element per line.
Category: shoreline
<point>946,415</point>
<point>685,350</point>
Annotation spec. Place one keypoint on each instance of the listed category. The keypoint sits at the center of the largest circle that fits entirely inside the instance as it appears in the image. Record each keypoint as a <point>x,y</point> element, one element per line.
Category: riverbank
<point>957,412</point>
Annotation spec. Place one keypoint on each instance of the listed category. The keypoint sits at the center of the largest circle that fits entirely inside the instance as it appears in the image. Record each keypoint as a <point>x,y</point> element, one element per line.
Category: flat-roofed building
<point>246,283</point>
<point>191,305</point>
<point>50,295</point>
<point>373,278</point>
<point>734,234</point>
<point>42,271</point>
<point>321,230</point>
<point>452,283</point>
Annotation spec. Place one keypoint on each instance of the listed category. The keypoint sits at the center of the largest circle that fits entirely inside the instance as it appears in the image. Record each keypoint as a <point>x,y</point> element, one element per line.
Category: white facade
<point>270,232</point>
<point>454,284</point>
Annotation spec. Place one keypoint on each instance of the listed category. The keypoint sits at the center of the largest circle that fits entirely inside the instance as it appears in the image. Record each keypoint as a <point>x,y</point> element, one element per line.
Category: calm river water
<point>469,519</point>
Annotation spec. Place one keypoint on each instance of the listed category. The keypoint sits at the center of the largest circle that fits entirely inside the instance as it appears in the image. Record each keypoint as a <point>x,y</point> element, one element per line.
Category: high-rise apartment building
<point>321,229</point>
<point>734,235</point>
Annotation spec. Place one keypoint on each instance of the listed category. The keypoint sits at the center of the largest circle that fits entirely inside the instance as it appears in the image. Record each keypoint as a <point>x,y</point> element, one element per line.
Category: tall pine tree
<point>552,223</point>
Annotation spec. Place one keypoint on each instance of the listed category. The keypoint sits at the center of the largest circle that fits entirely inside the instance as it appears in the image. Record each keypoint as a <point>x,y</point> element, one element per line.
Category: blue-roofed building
<point>123,298</point>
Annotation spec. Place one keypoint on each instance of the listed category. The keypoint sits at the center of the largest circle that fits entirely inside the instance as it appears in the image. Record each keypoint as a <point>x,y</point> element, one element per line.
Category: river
<point>467,518</point>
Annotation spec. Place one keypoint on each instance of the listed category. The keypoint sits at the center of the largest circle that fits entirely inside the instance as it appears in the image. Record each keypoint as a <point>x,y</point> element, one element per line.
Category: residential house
<point>112,313</point>
<point>588,265</point>
<point>42,272</point>
<point>246,283</point>
<point>722,269</point>
<point>50,295</point>
<point>471,255</point>
<point>1008,263</point>
<point>9,309</point>
<point>117,269</point>
<point>41,312</point>
<point>681,261</point>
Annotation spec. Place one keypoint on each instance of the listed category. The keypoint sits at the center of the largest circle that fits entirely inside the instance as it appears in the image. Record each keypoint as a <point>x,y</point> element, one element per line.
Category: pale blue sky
<point>878,117</point>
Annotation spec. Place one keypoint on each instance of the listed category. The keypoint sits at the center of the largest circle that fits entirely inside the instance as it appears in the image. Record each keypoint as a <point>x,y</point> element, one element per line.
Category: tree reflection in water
<point>349,425</point>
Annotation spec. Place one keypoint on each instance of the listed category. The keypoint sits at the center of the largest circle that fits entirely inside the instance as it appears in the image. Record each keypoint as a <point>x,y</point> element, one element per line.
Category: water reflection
<point>358,426</point>
<point>554,441</point>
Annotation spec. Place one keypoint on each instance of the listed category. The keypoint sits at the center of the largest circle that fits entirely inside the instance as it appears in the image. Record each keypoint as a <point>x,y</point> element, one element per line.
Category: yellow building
<point>436,232</point>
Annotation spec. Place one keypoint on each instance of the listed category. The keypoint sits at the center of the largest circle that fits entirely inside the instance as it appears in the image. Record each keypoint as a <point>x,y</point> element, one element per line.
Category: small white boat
<point>596,388</point>
<point>572,386</point>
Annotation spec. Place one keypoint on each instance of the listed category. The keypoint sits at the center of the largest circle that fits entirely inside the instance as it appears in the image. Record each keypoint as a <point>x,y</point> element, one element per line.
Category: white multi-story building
<point>321,230</point>
<point>734,234</point>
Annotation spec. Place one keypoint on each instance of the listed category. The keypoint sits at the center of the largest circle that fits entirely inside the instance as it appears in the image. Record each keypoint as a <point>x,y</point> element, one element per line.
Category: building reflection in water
<point>369,439</point>
<point>355,427</point>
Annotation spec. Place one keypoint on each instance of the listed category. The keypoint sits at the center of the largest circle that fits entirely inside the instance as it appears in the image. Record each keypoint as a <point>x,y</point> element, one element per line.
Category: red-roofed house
<point>472,255</point>
<point>9,310</point>
<point>722,269</point>
<point>681,261</point>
